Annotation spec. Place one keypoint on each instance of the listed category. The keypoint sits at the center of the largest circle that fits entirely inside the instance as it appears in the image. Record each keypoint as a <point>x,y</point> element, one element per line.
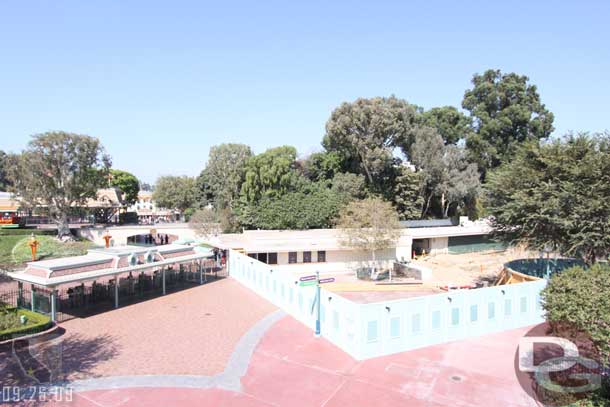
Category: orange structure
<point>107,238</point>
<point>33,243</point>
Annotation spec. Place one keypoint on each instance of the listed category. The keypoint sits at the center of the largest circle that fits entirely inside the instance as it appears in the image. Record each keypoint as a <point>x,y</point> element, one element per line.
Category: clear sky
<point>160,82</point>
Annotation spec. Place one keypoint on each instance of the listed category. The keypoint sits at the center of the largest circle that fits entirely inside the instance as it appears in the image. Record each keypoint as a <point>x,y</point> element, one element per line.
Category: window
<point>474,313</point>
<point>292,257</point>
<point>436,319</point>
<point>508,305</point>
<point>272,258</point>
<point>523,304</point>
<point>262,257</point>
<point>322,256</point>
<point>395,327</point>
<point>371,331</point>
<point>491,310</point>
<point>253,255</point>
<point>306,257</point>
<point>455,316</point>
<point>416,323</point>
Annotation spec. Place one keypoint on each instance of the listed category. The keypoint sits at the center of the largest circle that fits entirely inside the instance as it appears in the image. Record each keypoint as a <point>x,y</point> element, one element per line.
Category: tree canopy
<point>370,224</point>
<point>302,209</point>
<point>175,192</point>
<point>4,180</point>
<point>555,194</point>
<point>364,134</point>
<point>269,174</point>
<point>221,179</point>
<point>59,171</point>
<point>450,123</point>
<point>126,182</point>
<point>506,110</point>
<point>446,174</point>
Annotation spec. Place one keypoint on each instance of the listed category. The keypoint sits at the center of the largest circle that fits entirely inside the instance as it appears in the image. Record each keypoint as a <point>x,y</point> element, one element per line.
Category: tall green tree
<point>175,192</point>
<point>450,123</point>
<point>555,194</point>
<point>447,175</point>
<point>270,174</point>
<point>351,186</point>
<point>4,181</point>
<point>126,182</point>
<point>506,110</point>
<point>407,197</point>
<point>316,208</point>
<point>57,172</point>
<point>220,181</point>
<point>365,133</point>
<point>322,165</point>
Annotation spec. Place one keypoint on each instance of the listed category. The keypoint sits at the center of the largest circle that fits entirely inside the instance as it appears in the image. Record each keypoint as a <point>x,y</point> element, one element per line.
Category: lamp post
<point>33,243</point>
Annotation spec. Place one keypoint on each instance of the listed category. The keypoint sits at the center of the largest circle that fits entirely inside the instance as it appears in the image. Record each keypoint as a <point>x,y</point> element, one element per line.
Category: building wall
<point>337,260</point>
<point>439,245</point>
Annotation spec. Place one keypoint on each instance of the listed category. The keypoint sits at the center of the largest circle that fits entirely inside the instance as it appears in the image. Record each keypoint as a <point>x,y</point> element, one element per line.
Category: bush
<point>580,298</point>
<point>27,231</point>
<point>11,327</point>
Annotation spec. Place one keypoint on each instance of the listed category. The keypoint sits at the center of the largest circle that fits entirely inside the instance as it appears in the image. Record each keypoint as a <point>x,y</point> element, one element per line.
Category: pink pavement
<point>290,367</point>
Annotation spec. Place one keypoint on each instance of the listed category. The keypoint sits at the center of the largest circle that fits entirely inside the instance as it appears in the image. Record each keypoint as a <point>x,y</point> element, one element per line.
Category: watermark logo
<point>558,366</point>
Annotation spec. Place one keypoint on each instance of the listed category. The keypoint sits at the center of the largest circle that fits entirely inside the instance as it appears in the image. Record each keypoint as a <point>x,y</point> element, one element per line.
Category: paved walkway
<point>291,368</point>
<point>222,345</point>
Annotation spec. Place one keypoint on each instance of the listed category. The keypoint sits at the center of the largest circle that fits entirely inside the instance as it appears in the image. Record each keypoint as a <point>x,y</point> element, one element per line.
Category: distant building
<point>148,212</point>
<point>321,249</point>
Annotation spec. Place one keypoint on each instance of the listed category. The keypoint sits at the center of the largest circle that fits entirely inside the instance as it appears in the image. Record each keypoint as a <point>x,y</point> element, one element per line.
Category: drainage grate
<point>456,378</point>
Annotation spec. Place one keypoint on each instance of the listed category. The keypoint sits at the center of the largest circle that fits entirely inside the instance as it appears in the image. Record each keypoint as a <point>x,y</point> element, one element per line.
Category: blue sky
<point>160,82</point>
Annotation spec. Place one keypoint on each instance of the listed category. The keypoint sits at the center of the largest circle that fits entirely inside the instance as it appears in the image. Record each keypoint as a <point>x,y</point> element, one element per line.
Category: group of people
<point>158,240</point>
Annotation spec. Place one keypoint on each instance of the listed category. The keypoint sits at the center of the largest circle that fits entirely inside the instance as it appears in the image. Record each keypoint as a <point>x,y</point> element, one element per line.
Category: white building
<point>148,212</point>
<point>321,249</point>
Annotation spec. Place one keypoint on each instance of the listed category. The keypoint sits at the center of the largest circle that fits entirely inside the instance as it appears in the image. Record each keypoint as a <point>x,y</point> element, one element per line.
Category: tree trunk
<point>63,228</point>
<point>373,268</point>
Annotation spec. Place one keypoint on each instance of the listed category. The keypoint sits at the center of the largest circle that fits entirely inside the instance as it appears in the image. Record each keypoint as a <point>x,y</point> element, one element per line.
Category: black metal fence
<point>94,297</point>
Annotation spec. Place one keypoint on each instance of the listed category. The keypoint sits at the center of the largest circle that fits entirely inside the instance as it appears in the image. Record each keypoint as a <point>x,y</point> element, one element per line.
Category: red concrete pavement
<point>292,368</point>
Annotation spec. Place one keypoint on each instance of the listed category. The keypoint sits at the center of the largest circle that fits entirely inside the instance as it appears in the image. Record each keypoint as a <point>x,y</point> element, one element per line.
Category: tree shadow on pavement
<point>53,358</point>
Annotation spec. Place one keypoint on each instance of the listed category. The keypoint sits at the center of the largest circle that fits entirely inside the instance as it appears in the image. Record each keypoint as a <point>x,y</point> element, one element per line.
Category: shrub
<point>581,297</point>
<point>11,327</point>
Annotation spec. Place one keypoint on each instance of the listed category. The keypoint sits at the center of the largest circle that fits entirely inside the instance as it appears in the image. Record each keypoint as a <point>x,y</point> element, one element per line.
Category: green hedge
<point>28,231</point>
<point>38,323</point>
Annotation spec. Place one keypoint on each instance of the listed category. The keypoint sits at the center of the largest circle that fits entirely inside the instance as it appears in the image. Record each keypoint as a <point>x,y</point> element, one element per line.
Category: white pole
<point>53,311</point>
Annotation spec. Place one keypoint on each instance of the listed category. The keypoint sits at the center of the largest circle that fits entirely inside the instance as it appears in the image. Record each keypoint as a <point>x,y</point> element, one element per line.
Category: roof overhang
<point>96,274</point>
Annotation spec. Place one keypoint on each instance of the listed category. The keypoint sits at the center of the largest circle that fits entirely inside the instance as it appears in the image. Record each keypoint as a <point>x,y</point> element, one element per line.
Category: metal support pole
<point>53,309</point>
<point>200,272</point>
<point>20,294</point>
<point>116,292</point>
<point>163,278</point>
<point>33,298</point>
<point>318,304</point>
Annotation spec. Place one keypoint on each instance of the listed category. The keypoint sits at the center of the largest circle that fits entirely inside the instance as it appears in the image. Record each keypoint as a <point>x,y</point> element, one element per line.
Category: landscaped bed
<point>11,325</point>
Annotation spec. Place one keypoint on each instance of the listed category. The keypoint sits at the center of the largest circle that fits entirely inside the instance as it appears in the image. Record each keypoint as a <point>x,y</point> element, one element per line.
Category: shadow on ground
<point>53,358</point>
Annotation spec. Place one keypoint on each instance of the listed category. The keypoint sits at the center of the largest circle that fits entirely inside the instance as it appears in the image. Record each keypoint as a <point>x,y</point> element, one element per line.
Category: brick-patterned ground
<point>191,332</point>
